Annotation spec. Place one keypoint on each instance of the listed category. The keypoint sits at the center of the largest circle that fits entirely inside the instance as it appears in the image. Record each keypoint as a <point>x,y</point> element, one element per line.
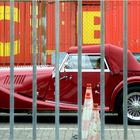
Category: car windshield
<point>62,56</point>
<point>137,56</point>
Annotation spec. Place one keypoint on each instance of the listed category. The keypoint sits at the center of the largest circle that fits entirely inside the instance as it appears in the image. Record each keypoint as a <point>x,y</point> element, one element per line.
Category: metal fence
<point>57,56</point>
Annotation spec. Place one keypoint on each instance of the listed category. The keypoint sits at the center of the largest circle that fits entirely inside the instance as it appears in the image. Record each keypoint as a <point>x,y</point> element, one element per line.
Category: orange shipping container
<point>68,27</point>
<point>22,32</point>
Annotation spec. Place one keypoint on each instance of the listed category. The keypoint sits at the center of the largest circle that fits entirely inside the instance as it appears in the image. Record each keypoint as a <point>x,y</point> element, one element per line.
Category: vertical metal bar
<point>34,86</point>
<point>11,137</point>
<point>38,31</point>
<point>125,64</point>
<point>4,33</point>
<point>18,49</point>
<point>102,76</point>
<point>44,32</point>
<point>79,69</point>
<point>57,25</point>
<point>25,33</point>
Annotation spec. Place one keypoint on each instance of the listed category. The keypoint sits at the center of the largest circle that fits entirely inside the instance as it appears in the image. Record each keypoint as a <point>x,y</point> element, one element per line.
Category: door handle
<point>64,77</point>
<point>70,77</point>
<point>98,85</point>
<point>97,92</point>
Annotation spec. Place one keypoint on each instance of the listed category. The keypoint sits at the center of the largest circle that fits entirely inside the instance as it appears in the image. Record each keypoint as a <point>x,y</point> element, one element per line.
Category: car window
<point>88,62</point>
<point>71,62</point>
<point>137,56</point>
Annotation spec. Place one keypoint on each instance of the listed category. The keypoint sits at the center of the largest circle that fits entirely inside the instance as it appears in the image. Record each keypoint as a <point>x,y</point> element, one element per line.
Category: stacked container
<point>68,27</point>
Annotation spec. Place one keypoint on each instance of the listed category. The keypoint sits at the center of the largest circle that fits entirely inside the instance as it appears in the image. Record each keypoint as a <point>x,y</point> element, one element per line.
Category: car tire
<point>133,102</point>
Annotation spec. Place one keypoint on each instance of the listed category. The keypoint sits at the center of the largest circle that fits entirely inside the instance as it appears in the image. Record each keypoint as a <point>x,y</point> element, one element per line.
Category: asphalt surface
<point>68,128</point>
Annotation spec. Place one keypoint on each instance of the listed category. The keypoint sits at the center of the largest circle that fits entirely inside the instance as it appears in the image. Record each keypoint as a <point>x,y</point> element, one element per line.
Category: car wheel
<point>133,104</point>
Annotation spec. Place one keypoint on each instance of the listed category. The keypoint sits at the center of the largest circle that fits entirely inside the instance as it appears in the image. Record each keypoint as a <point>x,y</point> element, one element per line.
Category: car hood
<point>28,69</point>
<point>23,75</point>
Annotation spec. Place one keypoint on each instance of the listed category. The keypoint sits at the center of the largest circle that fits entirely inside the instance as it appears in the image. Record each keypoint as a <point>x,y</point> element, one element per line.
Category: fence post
<point>125,64</point>
<point>102,76</point>
<point>44,39</point>
<point>11,137</point>
<point>34,84</point>
<point>79,69</point>
<point>57,20</point>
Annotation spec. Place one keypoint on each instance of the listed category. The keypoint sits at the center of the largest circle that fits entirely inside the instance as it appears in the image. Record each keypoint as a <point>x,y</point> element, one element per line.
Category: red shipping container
<point>113,24</point>
<point>22,32</point>
<point>68,27</point>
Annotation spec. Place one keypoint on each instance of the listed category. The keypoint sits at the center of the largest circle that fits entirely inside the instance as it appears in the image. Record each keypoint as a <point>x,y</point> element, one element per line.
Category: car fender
<point>22,102</point>
<point>119,87</point>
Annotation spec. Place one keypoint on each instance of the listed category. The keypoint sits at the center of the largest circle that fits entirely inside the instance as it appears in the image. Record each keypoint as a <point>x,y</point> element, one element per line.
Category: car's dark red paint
<point>68,82</point>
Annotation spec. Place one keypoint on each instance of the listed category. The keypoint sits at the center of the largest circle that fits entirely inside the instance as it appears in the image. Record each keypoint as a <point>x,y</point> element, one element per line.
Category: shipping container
<point>22,32</point>
<point>68,27</point>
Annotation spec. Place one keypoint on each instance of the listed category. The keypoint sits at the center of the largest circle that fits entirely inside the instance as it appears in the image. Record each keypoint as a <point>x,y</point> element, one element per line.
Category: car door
<point>68,80</point>
<point>90,74</point>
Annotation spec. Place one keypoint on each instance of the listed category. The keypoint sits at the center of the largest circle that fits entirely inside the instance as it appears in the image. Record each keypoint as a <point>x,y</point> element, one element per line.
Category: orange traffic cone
<point>94,128</point>
<point>87,112</point>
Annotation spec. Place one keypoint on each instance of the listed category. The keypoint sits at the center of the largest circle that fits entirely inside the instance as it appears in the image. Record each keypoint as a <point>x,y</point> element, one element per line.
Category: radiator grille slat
<point>18,79</point>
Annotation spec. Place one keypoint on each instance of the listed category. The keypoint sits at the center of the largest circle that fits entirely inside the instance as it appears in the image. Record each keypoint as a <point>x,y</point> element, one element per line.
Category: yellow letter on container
<point>5,46</point>
<point>89,27</point>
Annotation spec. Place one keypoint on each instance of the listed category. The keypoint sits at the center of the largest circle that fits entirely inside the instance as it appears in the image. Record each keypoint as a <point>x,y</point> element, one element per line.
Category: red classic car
<point>68,82</point>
